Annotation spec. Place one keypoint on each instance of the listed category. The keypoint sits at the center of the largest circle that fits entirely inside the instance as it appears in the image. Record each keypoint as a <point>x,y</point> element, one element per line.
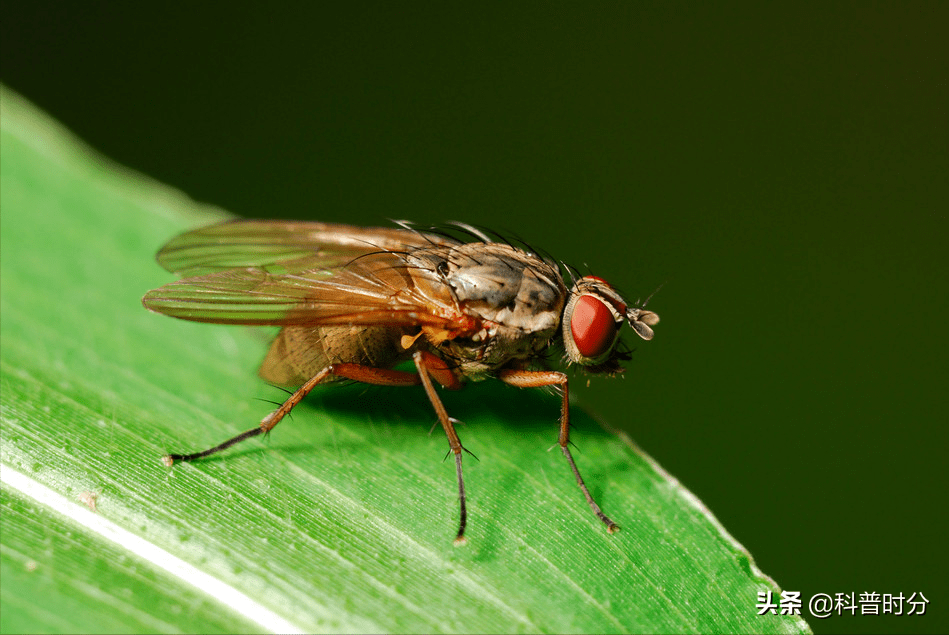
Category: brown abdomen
<point>299,352</point>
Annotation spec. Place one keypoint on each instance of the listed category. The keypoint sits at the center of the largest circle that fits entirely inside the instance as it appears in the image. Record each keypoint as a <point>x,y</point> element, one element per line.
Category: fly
<point>355,302</point>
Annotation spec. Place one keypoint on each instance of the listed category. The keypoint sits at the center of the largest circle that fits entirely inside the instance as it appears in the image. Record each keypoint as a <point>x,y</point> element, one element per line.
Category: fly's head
<point>591,325</point>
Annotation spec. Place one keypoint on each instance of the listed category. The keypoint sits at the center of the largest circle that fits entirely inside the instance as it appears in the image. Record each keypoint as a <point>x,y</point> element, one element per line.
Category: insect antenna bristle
<point>649,297</point>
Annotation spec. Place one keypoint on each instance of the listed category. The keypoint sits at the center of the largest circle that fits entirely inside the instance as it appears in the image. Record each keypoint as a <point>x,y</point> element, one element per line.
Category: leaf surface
<point>342,520</point>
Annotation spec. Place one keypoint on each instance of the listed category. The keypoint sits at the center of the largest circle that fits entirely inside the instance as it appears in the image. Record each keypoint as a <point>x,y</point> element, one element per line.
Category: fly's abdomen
<point>300,352</point>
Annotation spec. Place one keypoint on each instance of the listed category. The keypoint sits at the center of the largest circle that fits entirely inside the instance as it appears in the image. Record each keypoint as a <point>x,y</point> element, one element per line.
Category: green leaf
<point>343,519</point>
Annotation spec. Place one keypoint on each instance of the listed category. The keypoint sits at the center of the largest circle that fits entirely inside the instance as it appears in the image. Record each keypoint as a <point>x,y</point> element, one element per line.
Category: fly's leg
<point>539,378</point>
<point>356,372</point>
<point>428,366</point>
<point>431,366</point>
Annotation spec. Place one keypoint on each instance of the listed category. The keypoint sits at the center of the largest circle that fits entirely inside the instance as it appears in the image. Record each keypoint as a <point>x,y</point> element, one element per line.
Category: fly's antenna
<point>649,297</point>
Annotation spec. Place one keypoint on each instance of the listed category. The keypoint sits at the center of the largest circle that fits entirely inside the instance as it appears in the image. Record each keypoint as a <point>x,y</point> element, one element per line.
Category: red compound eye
<point>593,326</point>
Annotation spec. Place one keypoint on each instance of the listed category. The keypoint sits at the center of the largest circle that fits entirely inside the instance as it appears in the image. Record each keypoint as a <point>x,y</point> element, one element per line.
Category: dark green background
<point>783,171</point>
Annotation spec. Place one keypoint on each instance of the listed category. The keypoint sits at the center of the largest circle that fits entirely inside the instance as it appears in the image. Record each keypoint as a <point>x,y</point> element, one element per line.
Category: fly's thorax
<point>515,297</point>
<point>494,282</point>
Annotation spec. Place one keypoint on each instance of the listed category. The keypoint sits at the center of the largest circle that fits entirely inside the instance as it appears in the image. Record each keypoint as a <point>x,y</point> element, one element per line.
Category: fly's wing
<point>259,243</point>
<point>297,274</point>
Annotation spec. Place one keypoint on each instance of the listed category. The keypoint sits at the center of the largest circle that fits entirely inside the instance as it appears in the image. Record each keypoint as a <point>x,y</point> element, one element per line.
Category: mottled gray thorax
<point>518,297</point>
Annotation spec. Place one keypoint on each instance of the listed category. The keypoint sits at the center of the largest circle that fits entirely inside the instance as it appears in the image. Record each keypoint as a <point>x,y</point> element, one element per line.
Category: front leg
<point>540,378</point>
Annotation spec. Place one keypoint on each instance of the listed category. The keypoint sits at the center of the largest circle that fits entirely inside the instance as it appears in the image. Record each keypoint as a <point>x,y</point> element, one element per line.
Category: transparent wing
<point>262,243</point>
<point>362,284</point>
